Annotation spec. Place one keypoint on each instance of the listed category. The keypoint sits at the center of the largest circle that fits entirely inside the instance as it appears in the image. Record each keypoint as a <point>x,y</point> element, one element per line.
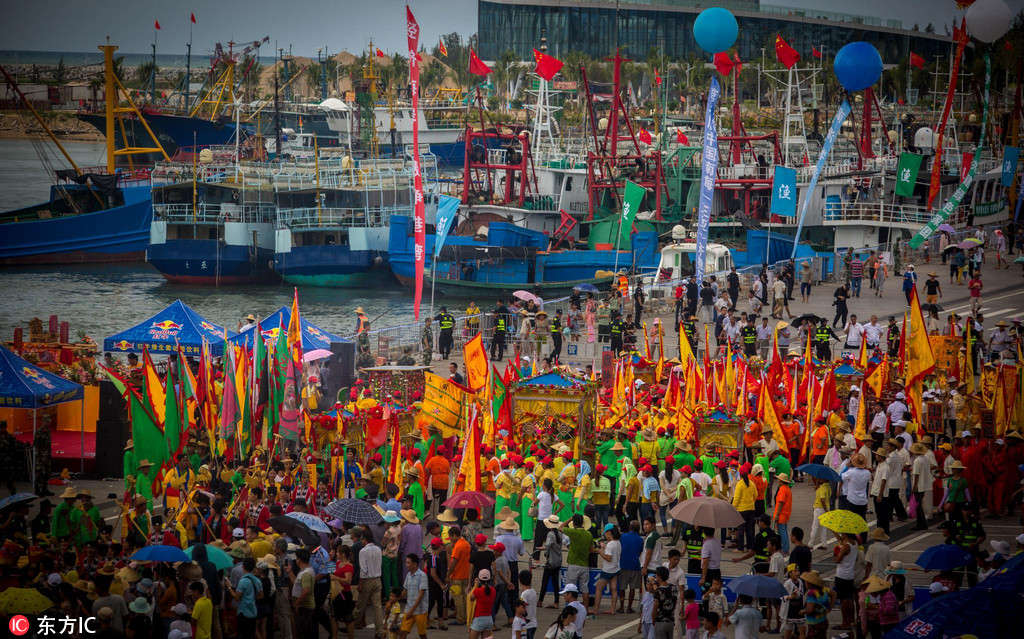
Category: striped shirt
<point>856,268</point>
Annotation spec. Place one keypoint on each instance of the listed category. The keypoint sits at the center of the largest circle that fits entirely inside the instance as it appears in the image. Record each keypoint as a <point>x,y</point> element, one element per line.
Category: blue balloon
<point>715,29</point>
<point>858,66</point>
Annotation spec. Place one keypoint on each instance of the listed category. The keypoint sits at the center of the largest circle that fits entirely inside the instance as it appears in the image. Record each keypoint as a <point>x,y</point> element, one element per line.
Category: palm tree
<point>432,75</point>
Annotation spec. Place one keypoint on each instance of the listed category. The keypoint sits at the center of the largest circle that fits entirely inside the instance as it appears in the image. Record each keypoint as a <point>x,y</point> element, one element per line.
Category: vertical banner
<point>906,173</point>
<point>708,174</point>
<point>631,200</point>
<point>826,148</point>
<point>1010,156</point>
<point>412,32</point>
<point>783,192</point>
<point>446,210</point>
<point>961,191</point>
<point>933,190</point>
<point>965,165</point>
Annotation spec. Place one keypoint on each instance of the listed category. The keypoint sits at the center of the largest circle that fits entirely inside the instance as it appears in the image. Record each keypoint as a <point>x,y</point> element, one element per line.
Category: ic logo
<point>18,625</point>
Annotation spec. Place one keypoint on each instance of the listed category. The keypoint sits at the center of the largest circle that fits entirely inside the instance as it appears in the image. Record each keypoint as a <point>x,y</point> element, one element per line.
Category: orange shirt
<point>761,485</point>
<point>438,468</point>
<point>459,569</point>
<point>750,439</point>
<point>792,432</point>
<point>783,504</point>
<point>492,468</point>
<point>819,441</point>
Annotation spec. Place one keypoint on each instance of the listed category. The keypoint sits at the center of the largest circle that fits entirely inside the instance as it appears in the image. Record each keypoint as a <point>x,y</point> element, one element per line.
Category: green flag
<point>631,200</point>
<point>278,357</point>
<point>906,173</point>
<point>150,443</point>
<point>172,418</point>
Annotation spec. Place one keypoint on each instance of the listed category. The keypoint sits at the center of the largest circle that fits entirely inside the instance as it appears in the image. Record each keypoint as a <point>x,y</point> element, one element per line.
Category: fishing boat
<point>92,215</point>
<point>217,227</point>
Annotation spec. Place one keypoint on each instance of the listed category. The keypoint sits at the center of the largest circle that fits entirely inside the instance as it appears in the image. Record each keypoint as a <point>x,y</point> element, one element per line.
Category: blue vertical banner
<point>708,174</point>
<point>1010,156</point>
<point>784,192</point>
<point>446,210</point>
<point>826,148</point>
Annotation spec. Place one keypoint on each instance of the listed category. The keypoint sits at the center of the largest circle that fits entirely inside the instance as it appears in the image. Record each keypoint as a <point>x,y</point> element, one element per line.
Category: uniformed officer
<point>892,337</point>
<point>364,358</point>
<point>445,339</point>
<point>694,537</point>
<point>498,339</point>
<point>822,340</point>
<point>690,330</point>
<point>556,336</point>
<point>427,342</point>
<point>759,549</point>
<point>970,535</point>
<point>616,329</point>
<point>749,336</point>
<point>406,359</point>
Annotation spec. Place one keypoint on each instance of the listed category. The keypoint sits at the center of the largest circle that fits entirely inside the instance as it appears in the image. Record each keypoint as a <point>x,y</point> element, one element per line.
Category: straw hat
<point>129,445</point>
<point>129,574</point>
<point>958,465</point>
<point>410,516</point>
<point>69,493</point>
<point>359,311</point>
<point>412,472</point>
<point>448,516</point>
<point>107,569</point>
<point>813,578</point>
<point>140,500</point>
<point>552,522</point>
<point>783,477</point>
<point>876,584</point>
<point>618,446</point>
<point>505,513</point>
<point>190,570</point>
<point>858,460</point>
<point>1002,324</point>
<point>882,453</point>
<point>649,435</point>
<point>509,523</point>
<point>85,492</point>
<point>587,523</point>
<point>918,448</point>
<point>879,535</point>
<point>684,446</point>
<point>144,463</point>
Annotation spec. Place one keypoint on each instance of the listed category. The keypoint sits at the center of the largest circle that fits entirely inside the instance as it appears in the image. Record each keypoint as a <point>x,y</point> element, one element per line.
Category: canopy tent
<point>24,385</point>
<point>313,337</point>
<point>176,325</point>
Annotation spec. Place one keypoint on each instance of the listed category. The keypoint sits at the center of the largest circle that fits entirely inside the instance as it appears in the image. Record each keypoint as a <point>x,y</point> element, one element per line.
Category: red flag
<point>412,33</point>
<point>736,59</point>
<point>681,137</point>
<point>476,65</point>
<point>193,17</point>
<point>380,54</point>
<point>815,52</point>
<point>443,49</point>
<point>657,78</point>
<point>723,63</point>
<point>965,166</point>
<point>645,136</point>
<point>547,66</point>
<point>916,60</point>
<point>786,54</point>
<point>156,24</point>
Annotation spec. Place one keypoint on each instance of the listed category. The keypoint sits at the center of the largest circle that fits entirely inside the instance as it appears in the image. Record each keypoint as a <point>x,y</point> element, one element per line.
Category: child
<point>520,621</point>
<point>529,596</point>
<point>182,619</point>
<point>691,612</point>
<point>646,626</point>
<point>717,602</point>
<point>792,605</point>
<point>711,623</point>
<point>394,608</point>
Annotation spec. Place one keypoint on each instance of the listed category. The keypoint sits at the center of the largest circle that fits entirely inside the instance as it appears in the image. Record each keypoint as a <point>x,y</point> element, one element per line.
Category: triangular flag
<point>786,54</point>
<point>193,17</point>
<point>476,65</point>
<point>441,48</point>
<point>815,52</point>
<point>156,24</point>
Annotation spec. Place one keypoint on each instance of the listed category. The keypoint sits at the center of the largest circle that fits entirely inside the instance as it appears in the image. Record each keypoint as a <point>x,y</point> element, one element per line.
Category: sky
<point>81,25</point>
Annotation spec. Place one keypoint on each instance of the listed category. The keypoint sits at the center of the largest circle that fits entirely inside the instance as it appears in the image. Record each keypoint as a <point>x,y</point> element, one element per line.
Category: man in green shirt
<point>85,520</point>
<point>778,464</point>
<point>708,461</point>
<point>683,455</point>
<point>131,467</point>
<point>610,452</point>
<point>581,544</point>
<point>665,445</point>
<point>60,525</point>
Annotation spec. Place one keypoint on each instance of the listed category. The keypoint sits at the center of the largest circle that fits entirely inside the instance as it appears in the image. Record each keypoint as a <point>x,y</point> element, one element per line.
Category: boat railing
<point>125,178</point>
<point>313,217</point>
<point>882,212</point>
<point>260,213</point>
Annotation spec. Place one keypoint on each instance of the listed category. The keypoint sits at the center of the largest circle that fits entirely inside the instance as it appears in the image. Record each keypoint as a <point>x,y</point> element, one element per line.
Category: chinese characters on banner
<point>783,192</point>
<point>708,174</point>
<point>412,30</point>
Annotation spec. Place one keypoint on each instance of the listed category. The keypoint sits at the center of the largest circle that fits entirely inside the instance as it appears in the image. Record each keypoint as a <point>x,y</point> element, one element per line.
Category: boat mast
<point>111,87</point>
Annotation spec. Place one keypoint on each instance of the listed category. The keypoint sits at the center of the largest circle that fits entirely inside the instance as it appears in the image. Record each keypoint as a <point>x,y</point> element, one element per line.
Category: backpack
<point>553,552</point>
<point>258,593</point>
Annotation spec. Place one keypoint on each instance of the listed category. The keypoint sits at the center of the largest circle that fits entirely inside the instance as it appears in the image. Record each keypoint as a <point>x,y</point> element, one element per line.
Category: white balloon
<point>988,20</point>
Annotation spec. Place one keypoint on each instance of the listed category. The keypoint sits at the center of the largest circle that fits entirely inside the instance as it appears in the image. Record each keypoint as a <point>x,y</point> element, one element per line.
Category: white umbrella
<point>318,353</point>
<point>526,296</point>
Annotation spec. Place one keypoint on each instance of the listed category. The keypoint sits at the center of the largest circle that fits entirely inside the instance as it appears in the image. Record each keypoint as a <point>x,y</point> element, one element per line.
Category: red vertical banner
<point>933,189</point>
<point>412,31</point>
<point>965,165</point>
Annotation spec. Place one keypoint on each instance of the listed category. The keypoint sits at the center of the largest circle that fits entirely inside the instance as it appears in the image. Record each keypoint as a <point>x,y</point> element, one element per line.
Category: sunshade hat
<point>410,516</point>
<point>509,523</point>
<point>876,584</point>
<point>896,568</point>
<point>813,578</point>
<point>391,517</point>
<point>918,448</point>
<point>505,513</point>
<point>69,493</point>
<point>684,446</point>
<point>649,435</point>
<point>958,465</point>
<point>448,516</point>
<point>878,535</point>
<point>618,446</point>
<point>858,461</point>
<point>552,522</point>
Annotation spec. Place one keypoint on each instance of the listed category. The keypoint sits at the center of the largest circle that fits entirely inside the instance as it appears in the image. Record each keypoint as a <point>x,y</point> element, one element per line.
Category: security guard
<point>445,339</point>
<point>969,535</point>
<point>759,549</point>
<point>498,340</point>
<point>749,336</point>
<point>556,336</point>
<point>690,330</point>
<point>694,537</point>
<point>427,342</point>
<point>822,340</point>
<point>892,337</point>
<point>616,329</point>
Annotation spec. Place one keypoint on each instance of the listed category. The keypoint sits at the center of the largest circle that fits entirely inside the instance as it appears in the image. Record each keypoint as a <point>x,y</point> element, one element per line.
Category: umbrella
<point>160,552</point>
<point>15,499</point>
<point>294,529</point>
<point>469,499</point>
<point>354,511</point>
<point>23,601</point>
<point>819,471</point>
<point>931,307</point>
<point>843,521</point>
<point>526,296</point>
<point>220,559</point>
<point>943,557</point>
<point>799,321</point>
<point>969,243</point>
<point>758,586</point>
<point>586,288</point>
<point>951,248</point>
<point>947,228</point>
<point>312,522</point>
<point>708,512</point>
<point>318,353</point>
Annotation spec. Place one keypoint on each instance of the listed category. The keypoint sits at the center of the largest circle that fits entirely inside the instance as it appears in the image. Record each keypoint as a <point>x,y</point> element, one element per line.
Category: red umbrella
<point>469,499</point>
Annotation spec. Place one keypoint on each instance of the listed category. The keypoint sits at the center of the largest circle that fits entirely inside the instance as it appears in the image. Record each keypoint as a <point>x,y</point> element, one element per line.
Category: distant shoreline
<point>93,58</point>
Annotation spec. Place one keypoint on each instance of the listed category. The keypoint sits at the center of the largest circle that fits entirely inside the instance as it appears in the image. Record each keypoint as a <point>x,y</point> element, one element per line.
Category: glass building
<point>598,27</point>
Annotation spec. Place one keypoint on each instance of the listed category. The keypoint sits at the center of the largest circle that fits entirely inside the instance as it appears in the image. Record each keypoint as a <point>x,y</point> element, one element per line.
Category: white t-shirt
<point>711,550</point>
<point>854,333</point>
<point>668,488</point>
<point>872,332</point>
<point>844,569</point>
<point>777,565</point>
<point>855,485</point>
<point>530,597</point>
<point>779,289</point>
<point>581,617</point>
<point>543,505</point>
<point>922,473</point>
<point>896,410</point>
<point>614,550</point>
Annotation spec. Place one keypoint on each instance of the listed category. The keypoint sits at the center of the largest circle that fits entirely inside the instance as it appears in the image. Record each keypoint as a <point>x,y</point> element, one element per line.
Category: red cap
<point>600,468</point>
<point>745,468</point>
<point>534,448</point>
<point>567,455</point>
<point>688,469</point>
<point>505,463</point>
<point>441,450</point>
<point>734,462</point>
<point>670,460</point>
<point>647,469</point>
<point>354,394</point>
<point>367,392</point>
<point>661,430</point>
<point>436,542</point>
<point>529,464</point>
<point>480,539</point>
<point>547,460</point>
<point>377,458</point>
<point>642,461</point>
<point>720,464</point>
<point>733,453</point>
<point>497,547</point>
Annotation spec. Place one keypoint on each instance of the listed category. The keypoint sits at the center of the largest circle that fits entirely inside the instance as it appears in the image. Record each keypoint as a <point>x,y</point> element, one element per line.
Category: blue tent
<point>313,337</point>
<point>23,385</point>
<point>175,325</point>
<point>846,369</point>
<point>557,380</point>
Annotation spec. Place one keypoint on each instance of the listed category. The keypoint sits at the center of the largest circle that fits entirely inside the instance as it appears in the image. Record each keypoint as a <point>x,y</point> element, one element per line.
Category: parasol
<point>318,353</point>
<point>819,471</point>
<point>586,288</point>
<point>469,499</point>
<point>951,248</point>
<point>220,559</point>
<point>946,228</point>
<point>354,511</point>
<point>526,296</point>
<point>312,522</point>
<point>969,243</point>
<point>15,499</point>
<point>708,512</point>
<point>843,521</point>
<point>931,307</point>
<point>799,321</point>
<point>758,586</point>
<point>23,601</point>
<point>159,552</point>
<point>294,529</point>
<point>943,557</point>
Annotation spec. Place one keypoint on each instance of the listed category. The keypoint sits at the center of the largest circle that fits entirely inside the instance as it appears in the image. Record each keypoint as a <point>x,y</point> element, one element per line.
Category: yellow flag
<point>876,380</point>
<point>443,403</point>
<point>863,353</point>
<point>860,430</point>
<point>968,361</point>
<point>920,360</point>
<point>476,362</point>
<point>685,350</point>
<point>769,416</point>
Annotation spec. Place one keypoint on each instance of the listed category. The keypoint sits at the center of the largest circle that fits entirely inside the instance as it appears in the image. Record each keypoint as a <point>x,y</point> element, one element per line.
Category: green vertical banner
<point>631,201</point>
<point>906,173</point>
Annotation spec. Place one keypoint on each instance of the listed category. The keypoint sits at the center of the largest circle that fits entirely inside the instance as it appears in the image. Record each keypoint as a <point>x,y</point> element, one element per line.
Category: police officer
<point>749,336</point>
<point>759,549</point>
<point>690,330</point>
<point>822,340</point>
<point>694,537</point>
<point>969,535</point>
<point>445,339</point>
<point>892,337</point>
<point>498,340</point>
<point>427,342</point>
<point>616,329</point>
<point>556,336</point>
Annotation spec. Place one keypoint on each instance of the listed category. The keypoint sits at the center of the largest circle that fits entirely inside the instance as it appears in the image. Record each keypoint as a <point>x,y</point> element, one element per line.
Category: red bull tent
<point>24,385</point>
<point>313,337</point>
<point>175,325</point>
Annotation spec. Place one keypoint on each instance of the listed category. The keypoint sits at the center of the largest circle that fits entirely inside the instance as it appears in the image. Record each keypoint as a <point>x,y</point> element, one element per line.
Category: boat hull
<point>118,234</point>
<point>466,288</point>
<point>333,265</point>
<point>210,263</point>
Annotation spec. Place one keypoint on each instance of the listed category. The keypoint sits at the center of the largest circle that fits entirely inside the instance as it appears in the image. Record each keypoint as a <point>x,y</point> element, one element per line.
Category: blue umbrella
<point>758,586</point>
<point>15,499</point>
<point>819,471</point>
<point>160,553</point>
<point>312,522</point>
<point>586,288</point>
<point>354,511</point>
<point>943,557</point>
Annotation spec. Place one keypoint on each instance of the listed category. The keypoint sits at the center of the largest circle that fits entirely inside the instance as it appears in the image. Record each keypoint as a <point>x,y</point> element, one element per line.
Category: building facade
<point>598,27</point>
